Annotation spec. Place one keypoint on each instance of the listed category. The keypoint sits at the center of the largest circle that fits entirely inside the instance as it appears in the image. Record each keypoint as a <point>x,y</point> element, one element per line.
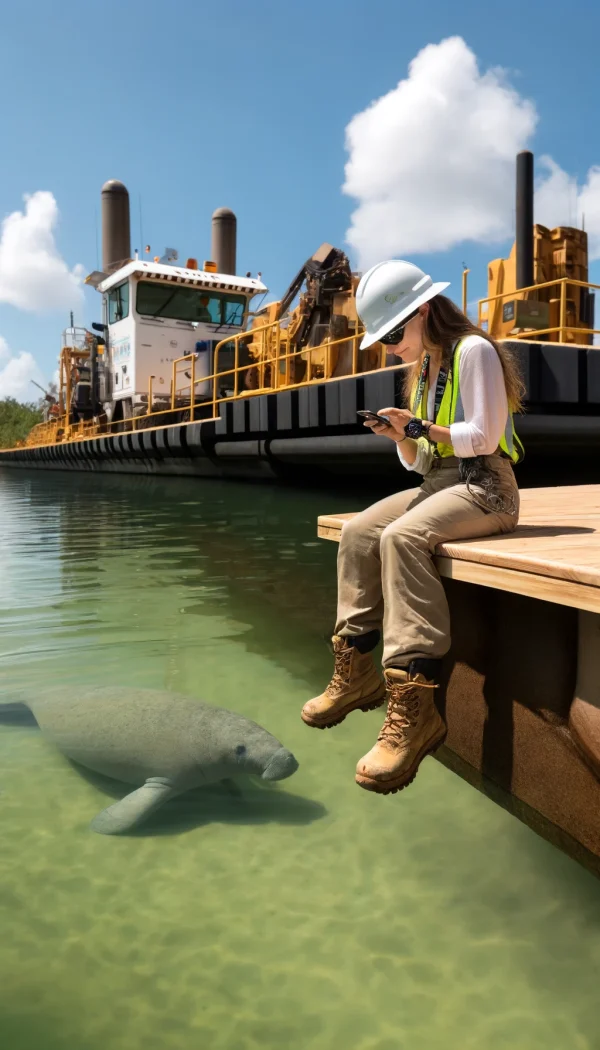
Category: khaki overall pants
<point>386,574</point>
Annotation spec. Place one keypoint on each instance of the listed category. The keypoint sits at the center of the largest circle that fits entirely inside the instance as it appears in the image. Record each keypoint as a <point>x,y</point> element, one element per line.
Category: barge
<point>191,372</point>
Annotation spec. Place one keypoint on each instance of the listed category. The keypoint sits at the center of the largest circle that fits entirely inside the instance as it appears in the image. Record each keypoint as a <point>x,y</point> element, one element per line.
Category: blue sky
<point>198,105</point>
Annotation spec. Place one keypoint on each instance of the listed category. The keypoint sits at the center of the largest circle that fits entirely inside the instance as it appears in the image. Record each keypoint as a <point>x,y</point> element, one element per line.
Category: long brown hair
<point>444,325</point>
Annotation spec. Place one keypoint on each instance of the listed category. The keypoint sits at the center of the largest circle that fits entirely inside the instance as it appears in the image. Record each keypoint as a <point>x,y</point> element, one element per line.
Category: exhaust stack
<point>116,236</point>
<point>524,219</point>
<point>224,236</point>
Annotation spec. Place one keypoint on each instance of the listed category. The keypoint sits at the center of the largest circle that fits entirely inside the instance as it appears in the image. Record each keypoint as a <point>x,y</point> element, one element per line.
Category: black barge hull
<point>314,430</point>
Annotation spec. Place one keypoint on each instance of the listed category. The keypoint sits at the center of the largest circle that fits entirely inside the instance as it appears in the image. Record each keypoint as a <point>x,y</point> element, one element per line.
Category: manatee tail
<point>16,715</point>
<point>134,809</point>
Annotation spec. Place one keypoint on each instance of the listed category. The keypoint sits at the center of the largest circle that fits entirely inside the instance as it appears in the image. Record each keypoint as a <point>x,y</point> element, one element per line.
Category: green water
<point>310,915</point>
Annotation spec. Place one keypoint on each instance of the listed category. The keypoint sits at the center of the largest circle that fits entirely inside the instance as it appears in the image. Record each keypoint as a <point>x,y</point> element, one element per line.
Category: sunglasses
<point>397,334</point>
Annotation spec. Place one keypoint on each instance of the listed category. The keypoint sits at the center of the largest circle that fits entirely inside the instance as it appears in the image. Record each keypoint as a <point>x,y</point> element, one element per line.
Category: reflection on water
<point>309,915</point>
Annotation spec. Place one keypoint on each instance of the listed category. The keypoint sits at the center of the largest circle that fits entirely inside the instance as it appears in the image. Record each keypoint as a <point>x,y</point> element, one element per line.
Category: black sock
<point>429,667</point>
<point>364,642</point>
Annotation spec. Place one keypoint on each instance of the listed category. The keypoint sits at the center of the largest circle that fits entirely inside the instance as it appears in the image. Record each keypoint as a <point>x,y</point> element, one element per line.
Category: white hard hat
<point>388,293</point>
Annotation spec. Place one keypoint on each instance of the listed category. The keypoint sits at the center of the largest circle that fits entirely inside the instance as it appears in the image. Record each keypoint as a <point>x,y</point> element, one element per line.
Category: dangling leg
<point>356,682</point>
<point>417,631</point>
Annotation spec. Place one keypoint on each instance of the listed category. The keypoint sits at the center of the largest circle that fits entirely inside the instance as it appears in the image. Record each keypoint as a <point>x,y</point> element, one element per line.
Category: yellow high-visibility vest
<point>451,411</point>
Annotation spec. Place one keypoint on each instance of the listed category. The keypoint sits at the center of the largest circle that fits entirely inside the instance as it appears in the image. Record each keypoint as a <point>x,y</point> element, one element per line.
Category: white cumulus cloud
<point>431,164</point>
<point>33,274</point>
<point>16,373</point>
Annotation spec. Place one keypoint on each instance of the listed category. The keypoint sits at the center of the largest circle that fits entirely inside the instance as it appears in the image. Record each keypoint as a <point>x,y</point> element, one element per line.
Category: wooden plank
<point>335,521</point>
<point>536,539</point>
<point>556,545</point>
<point>328,528</point>
<point>578,566</point>
<point>585,493</point>
<point>324,532</point>
<point>545,588</point>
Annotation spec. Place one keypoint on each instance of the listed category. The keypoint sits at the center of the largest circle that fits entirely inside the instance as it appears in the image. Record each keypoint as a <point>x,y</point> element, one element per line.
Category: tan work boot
<point>356,683</point>
<point>412,729</point>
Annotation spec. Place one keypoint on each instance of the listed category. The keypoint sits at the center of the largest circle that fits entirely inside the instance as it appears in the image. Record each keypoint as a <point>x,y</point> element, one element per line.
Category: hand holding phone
<point>373,417</point>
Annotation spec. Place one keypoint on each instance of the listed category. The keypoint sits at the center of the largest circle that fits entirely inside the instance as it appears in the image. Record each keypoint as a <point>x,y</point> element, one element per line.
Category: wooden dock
<point>522,681</point>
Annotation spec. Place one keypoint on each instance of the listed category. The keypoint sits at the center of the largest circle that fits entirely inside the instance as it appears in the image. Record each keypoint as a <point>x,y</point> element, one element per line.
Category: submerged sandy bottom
<point>311,915</point>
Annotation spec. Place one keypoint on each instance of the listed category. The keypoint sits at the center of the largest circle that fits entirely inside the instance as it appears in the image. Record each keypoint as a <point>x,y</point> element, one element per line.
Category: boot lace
<point>403,710</point>
<point>341,672</point>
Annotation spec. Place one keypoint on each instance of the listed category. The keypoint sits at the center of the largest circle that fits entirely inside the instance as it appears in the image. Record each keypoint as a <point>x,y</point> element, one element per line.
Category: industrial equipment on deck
<point>315,339</point>
<point>524,293</point>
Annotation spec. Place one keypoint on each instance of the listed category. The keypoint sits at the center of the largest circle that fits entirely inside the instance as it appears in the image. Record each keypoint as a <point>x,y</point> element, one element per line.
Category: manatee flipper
<point>231,787</point>
<point>135,808</point>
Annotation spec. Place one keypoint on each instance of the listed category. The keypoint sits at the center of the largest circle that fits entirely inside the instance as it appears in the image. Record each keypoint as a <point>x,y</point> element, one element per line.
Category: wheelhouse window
<point>118,303</point>
<point>182,303</point>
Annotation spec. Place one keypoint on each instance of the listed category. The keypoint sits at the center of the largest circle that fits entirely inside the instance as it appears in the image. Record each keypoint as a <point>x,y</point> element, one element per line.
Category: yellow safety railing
<point>273,368</point>
<point>181,398</point>
<point>181,395</point>
<point>276,358</point>
<point>273,342</point>
<point>562,328</point>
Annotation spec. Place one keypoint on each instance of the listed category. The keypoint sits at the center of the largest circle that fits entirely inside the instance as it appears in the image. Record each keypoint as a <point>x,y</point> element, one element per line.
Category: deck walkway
<point>553,555</point>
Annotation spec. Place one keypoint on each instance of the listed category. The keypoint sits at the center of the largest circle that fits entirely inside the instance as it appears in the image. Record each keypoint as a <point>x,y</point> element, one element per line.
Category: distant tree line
<point>16,420</point>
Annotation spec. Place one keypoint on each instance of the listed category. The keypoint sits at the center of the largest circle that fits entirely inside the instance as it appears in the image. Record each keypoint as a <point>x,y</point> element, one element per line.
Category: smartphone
<point>367,414</point>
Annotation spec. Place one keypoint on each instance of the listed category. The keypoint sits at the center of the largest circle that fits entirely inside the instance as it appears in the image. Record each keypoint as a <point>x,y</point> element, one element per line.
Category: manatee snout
<point>281,765</point>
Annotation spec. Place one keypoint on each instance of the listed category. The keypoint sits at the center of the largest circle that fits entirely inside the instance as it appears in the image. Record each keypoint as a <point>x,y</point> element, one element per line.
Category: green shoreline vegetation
<point>16,420</point>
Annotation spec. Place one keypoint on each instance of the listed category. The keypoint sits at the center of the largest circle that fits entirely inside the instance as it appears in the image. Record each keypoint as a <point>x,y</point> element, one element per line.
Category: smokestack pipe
<point>524,217</point>
<point>223,245</point>
<point>116,236</point>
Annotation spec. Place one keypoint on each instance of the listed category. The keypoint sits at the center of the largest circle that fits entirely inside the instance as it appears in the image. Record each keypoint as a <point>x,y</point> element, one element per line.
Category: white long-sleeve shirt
<point>485,404</point>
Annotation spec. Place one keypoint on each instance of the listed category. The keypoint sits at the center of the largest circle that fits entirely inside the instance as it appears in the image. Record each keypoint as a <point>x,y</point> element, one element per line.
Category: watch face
<point>414,428</point>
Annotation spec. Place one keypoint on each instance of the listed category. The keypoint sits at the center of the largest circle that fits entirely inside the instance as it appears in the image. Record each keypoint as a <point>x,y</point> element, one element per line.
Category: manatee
<point>166,743</point>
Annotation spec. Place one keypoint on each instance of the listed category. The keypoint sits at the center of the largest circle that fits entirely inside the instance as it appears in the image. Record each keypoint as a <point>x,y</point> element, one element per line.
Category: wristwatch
<point>416,428</point>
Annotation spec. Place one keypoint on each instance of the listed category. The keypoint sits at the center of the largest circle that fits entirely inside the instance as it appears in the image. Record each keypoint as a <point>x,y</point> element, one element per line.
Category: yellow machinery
<point>325,314</point>
<point>559,255</point>
<point>541,291</point>
<point>71,415</point>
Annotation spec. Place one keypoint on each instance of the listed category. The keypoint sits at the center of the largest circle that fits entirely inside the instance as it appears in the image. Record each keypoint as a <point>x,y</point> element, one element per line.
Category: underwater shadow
<point>17,715</point>
<point>223,803</point>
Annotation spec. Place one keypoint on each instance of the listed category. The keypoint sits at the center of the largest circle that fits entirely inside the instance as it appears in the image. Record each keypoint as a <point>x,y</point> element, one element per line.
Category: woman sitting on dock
<point>463,389</point>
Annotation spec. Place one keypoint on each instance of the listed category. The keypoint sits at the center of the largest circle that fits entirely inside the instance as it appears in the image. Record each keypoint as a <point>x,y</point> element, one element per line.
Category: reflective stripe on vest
<point>452,411</point>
